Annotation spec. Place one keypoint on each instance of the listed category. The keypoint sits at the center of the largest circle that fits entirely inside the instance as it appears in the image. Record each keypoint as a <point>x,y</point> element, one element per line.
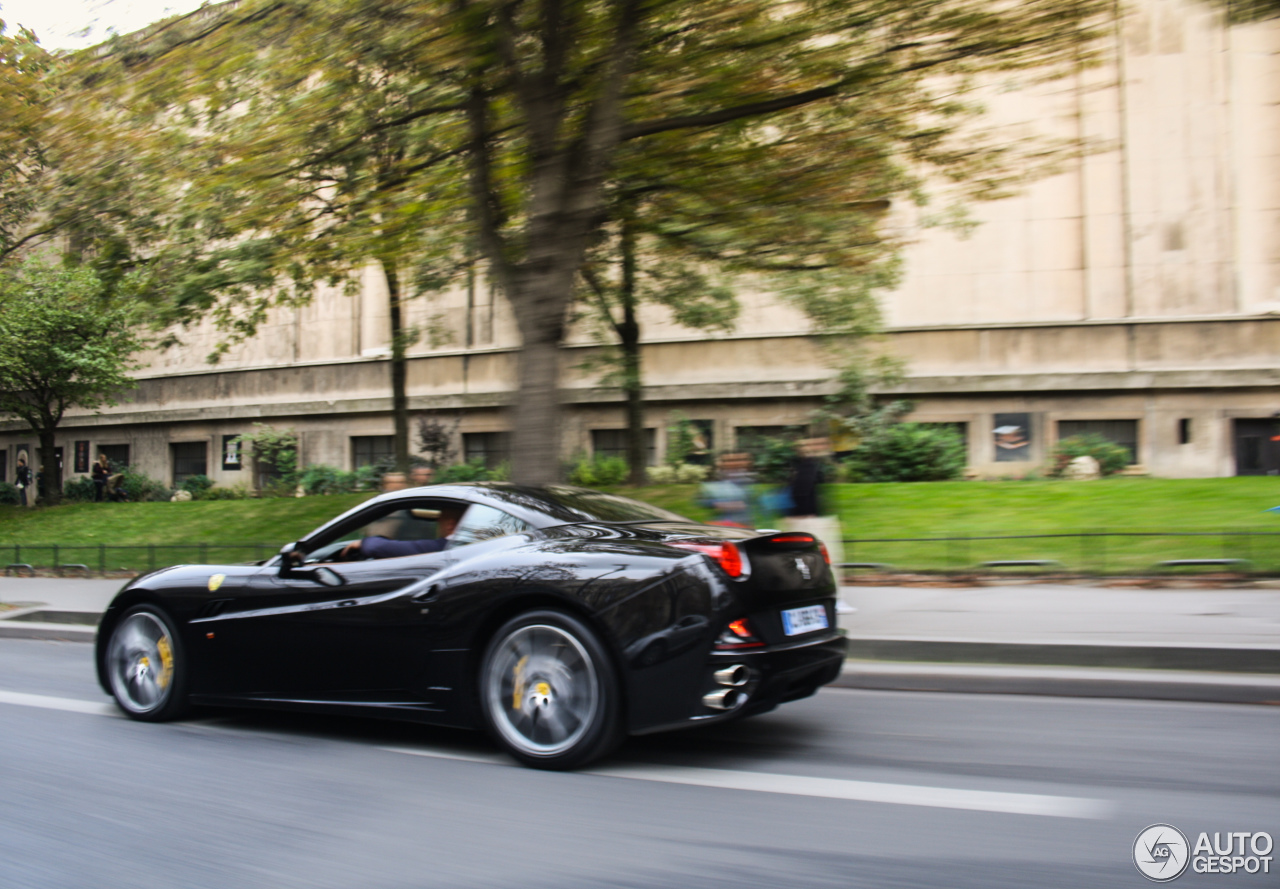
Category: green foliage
<point>275,458</point>
<point>599,471</point>
<point>138,487</point>
<point>773,459</point>
<point>79,489</point>
<point>197,486</point>
<point>473,471</point>
<point>234,492</point>
<point>321,479</point>
<point>9,495</point>
<point>682,438</point>
<point>678,474</point>
<point>907,452</point>
<point>64,343</point>
<point>1111,457</point>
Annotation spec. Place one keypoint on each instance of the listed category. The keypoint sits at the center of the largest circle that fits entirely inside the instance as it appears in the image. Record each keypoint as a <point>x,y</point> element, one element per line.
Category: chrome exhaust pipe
<point>723,699</point>
<point>734,676</point>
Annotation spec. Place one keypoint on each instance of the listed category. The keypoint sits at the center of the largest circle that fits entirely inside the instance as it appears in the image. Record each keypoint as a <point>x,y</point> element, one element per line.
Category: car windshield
<point>582,505</point>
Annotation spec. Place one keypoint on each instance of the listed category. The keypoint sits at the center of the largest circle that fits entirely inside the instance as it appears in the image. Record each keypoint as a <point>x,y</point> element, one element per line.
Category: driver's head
<point>448,521</point>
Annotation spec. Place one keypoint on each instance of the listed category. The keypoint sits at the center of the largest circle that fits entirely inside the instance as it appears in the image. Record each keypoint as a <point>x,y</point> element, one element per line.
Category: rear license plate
<point>804,620</point>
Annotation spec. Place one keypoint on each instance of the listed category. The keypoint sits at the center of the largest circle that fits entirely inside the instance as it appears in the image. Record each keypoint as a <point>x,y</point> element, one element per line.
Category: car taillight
<point>737,635</point>
<point>724,554</point>
<point>826,556</point>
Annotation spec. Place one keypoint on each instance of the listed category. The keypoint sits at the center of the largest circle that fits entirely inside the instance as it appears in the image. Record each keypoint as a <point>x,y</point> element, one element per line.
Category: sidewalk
<point>1184,644</point>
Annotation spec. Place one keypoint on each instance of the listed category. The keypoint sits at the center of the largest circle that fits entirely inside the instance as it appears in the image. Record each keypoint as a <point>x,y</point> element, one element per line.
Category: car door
<point>346,631</point>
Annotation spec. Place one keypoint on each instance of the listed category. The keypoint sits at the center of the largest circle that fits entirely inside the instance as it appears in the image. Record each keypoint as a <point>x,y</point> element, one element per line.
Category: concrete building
<point>1135,293</point>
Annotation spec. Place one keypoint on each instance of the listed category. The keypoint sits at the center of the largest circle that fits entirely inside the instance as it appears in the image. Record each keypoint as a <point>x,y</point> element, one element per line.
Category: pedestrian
<point>807,476</point>
<point>101,472</point>
<point>23,478</point>
<point>730,496</point>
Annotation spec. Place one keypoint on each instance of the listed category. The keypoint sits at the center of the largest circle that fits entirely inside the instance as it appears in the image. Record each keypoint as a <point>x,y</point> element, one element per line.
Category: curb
<point>1130,656</point>
<point>1083,682</point>
<point>50,631</point>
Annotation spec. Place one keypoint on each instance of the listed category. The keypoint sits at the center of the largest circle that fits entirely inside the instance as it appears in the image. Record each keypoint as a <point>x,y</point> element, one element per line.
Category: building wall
<point>1138,283</point>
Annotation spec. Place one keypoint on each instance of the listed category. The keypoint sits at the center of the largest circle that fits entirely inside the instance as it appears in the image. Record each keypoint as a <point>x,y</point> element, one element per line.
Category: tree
<point>539,100</point>
<point>303,159</point>
<point>64,343</point>
<point>71,176</point>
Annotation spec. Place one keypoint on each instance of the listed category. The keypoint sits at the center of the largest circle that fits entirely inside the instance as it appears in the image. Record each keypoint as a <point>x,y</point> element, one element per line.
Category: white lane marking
<point>48,702</point>
<point>762,782</point>
<point>830,788</point>
<point>493,759</point>
<point>869,791</point>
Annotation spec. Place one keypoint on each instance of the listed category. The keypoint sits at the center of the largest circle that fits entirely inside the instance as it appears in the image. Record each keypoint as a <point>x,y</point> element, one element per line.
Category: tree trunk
<point>629,340</point>
<point>535,458</point>
<point>47,466</point>
<point>399,367</point>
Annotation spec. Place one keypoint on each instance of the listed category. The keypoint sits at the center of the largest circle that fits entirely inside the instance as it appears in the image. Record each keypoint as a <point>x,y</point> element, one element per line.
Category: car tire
<point>146,665</point>
<point>549,691</point>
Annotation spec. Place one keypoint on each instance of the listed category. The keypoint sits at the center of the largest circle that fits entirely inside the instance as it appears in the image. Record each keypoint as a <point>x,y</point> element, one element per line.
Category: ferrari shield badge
<point>216,581</point>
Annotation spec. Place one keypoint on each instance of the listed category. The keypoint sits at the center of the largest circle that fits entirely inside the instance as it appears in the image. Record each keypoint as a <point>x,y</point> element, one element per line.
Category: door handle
<point>426,595</point>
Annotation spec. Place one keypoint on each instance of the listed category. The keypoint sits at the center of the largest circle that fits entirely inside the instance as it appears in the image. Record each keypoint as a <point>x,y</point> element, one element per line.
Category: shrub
<point>684,474</point>
<point>368,478</point>
<point>237,492</point>
<point>599,471</point>
<point>140,487</point>
<point>473,471</point>
<point>197,486</point>
<point>79,489</point>
<point>9,495</point>
<point>773,459</point>
<point>907,452</point>
<point>1111,457</point>
<point>321,479</point>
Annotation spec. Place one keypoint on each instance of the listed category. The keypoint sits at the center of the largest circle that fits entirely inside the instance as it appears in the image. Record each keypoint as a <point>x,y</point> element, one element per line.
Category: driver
<point>386,548</point>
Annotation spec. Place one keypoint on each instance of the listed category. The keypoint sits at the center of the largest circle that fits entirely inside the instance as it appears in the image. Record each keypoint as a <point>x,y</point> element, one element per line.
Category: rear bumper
<point>776,674</point>
<point>785,672</point>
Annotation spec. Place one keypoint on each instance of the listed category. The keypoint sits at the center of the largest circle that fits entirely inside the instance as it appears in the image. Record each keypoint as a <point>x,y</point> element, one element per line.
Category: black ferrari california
<point>560,619</point>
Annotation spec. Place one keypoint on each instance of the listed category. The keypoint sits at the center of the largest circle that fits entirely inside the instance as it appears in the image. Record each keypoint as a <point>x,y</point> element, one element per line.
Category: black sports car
<point>561,619</point>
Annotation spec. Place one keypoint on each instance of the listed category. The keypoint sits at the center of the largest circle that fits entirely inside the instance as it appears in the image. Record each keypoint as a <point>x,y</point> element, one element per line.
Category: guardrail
<point>1087,552</point>
<point>1084,552</point>
<point>105,558</point>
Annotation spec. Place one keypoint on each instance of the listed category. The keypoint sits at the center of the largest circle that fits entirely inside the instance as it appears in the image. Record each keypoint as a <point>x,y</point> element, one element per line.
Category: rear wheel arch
<point>571,707</point>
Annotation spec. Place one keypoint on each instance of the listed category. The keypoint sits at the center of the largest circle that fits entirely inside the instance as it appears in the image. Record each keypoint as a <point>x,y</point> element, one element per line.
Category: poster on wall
<point>82,456</point>
<point>1012,437</point>
<point>231,452</point>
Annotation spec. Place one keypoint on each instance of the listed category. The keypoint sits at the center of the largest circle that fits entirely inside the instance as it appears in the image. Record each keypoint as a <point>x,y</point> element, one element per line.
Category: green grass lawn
<point>964,511</point>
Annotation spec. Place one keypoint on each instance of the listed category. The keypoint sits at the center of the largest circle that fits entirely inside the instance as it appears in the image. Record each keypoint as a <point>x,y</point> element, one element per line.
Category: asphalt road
<point>848,789</point>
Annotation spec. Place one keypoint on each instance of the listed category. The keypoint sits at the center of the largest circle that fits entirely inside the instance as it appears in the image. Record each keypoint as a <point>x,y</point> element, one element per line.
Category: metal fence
<point>1085,552</point>
<point>105,558</point>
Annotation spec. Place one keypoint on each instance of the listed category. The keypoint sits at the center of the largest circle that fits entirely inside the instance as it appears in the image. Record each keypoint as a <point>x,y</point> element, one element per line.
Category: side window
<point>485,523</point>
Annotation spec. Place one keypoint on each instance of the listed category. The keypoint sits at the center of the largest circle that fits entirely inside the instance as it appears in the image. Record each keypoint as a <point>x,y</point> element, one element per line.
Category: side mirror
<point>290,558</point>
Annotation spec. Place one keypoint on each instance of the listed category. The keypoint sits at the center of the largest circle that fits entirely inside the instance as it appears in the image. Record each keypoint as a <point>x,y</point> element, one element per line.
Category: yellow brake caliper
<point>166,661</point>
<point>517,693</point>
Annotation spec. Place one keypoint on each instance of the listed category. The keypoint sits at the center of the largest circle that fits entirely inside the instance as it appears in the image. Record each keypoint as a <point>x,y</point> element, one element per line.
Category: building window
<point>370,450</point>
<point>1184,431</point>
<point>613,443</point>
<point>117,455</point>
<point>189,458</point>
<point>489,448</point>
<point>1121,432</point>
